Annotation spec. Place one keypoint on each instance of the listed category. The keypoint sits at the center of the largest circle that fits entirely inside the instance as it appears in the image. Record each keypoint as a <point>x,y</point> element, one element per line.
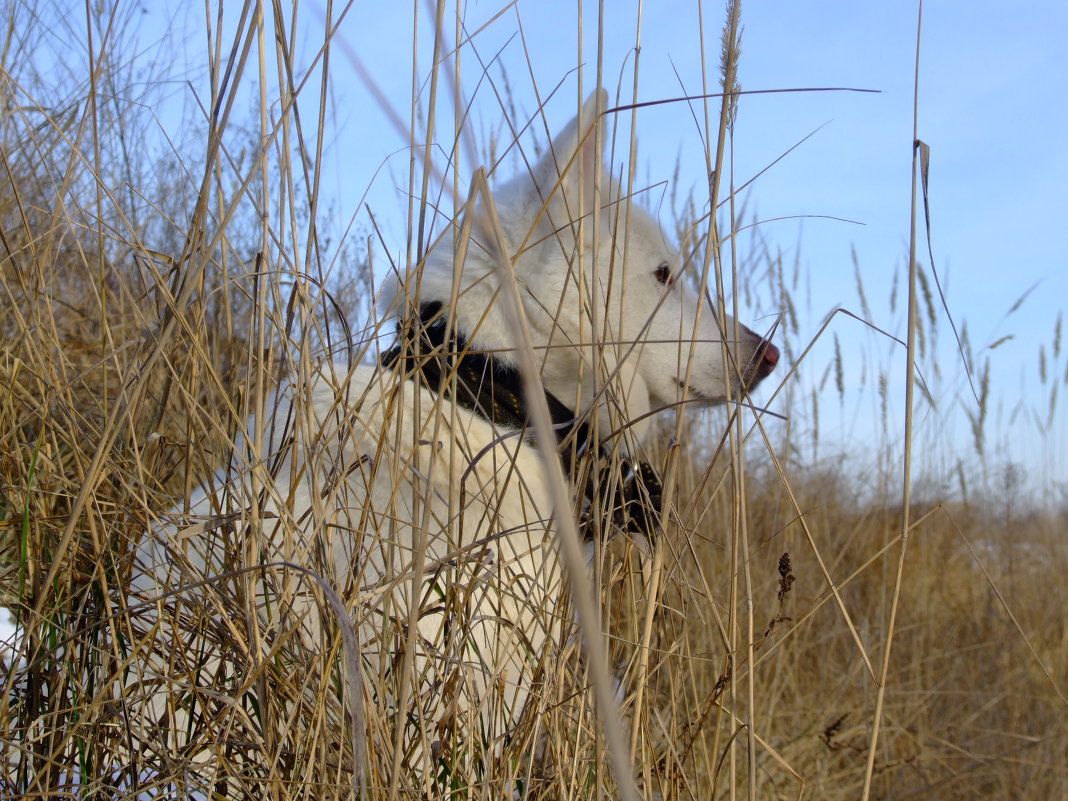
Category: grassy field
<point>802,629</point>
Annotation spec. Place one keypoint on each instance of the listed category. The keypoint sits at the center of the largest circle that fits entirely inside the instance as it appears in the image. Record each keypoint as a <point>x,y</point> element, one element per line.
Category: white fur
<point>415,509</point>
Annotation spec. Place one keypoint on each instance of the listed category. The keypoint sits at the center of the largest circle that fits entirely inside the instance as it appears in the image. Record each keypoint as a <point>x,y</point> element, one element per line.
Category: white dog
<point>412,486</point>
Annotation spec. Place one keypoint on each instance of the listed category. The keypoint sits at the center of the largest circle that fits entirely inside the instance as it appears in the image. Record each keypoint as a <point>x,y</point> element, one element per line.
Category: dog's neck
<point>430,351</point>
<point>485,384</point>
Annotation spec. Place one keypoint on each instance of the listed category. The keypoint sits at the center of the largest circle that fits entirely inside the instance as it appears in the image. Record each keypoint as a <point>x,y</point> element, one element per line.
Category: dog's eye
<point>663,273</point>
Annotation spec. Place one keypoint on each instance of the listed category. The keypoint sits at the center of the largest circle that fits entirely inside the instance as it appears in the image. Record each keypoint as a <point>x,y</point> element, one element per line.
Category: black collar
<point>427,351</point>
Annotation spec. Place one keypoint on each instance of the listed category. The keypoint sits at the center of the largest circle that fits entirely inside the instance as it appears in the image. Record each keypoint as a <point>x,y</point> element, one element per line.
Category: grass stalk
<point>910,383</point>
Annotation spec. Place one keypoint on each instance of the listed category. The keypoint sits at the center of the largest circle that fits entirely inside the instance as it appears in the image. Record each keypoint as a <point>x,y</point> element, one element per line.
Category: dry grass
<point>150,303</point>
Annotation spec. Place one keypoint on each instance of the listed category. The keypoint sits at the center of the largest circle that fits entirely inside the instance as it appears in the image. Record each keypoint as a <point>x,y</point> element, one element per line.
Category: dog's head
<point>628,305</point>
<point>610,302</point>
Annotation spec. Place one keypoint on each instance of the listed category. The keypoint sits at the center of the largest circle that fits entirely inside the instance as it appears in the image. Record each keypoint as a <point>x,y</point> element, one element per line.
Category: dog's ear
<point>572,171</point>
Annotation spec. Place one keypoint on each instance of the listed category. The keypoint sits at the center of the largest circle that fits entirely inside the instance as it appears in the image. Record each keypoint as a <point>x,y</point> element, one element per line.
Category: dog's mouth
<point>690,392</point>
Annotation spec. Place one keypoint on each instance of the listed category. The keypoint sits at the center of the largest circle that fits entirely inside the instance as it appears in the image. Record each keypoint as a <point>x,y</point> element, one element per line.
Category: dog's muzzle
<point>763,362</point>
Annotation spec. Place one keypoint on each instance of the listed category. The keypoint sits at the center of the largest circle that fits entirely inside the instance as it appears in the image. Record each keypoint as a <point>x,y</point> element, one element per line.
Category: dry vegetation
<point>149,300</point>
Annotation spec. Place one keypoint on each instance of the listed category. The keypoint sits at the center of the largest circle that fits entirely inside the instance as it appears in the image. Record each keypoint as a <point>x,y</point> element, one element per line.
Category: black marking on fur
<point>428,352</point>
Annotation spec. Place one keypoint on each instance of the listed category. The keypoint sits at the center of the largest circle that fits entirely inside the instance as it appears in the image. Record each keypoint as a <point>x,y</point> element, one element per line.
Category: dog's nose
<point>768,355</point>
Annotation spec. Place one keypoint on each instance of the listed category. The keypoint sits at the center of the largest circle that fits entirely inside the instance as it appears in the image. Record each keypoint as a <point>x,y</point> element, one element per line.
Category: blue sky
<point>992,99</point>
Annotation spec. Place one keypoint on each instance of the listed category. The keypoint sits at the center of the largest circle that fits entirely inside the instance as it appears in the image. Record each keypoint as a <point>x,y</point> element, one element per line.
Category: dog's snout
<point>767,356</point>
<point>763,361</point>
